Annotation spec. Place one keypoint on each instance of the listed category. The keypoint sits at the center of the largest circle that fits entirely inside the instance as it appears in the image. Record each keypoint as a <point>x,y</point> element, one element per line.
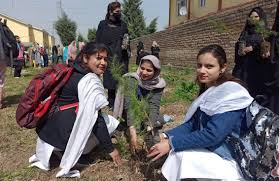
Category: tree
<point>133,16</point>
<point>91,35</point>
<point>152,28</point>
<point>66,29</point>
<point>81,38</point>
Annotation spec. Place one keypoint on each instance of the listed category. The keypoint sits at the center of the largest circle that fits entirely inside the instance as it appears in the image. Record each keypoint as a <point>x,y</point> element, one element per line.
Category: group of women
<point>255,64</point>
<point>197,148</point>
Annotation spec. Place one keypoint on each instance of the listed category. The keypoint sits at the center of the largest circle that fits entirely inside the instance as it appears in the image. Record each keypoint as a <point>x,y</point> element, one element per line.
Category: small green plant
<point>219,26</point>
<point>121,147</point>
<point>186,91</point>
<point>138,108</point>
<point>261,28</point>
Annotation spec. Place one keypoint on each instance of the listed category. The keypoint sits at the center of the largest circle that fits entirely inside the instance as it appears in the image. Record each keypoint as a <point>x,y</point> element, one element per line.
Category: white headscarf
<point>229,96</point>
<point>156,81</point>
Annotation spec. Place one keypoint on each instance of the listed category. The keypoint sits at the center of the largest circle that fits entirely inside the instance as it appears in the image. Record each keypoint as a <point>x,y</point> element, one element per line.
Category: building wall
<point>211,6</point>
<point>20,29</point>
<point>27,33</point>
<point>39,37</point>
<point>180,44</point>
<point>196,11</point>
<point>174,19</point>
<point>230,3</point>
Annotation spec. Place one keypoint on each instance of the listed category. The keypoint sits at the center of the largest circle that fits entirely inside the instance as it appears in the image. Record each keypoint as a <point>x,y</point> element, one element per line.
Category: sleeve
<point>154,108</point>
<point>100,130</point>
<point>237,69</point>
<point>218,127</point>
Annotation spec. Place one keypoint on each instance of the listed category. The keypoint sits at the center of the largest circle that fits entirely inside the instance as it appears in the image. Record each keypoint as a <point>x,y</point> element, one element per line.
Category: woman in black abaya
<point>250,66</point>
<point>113,32</point>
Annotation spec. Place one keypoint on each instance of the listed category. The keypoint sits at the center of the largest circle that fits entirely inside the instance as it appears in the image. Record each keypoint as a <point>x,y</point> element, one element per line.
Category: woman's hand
<point>266,55</point>
<point>159,150</point>
<point>116,157</point>
<point>133,139</point>
<point>248,49</point>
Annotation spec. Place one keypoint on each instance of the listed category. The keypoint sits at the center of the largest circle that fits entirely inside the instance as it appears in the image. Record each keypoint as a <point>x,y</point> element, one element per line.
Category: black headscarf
<point>110,18</point>
<point>250,27</point>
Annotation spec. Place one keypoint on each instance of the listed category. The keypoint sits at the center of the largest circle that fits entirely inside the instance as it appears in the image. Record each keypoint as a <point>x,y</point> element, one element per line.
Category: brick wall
<point>180,44</point>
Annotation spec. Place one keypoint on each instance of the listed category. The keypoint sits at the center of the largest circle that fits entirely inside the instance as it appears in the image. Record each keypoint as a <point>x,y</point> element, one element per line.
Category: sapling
<point>138,108</point>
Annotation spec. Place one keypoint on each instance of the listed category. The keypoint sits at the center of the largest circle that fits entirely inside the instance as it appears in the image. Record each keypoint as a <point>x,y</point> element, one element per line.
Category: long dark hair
<point>111,7</point>
<point>219,53</point>
<point>89,49</point>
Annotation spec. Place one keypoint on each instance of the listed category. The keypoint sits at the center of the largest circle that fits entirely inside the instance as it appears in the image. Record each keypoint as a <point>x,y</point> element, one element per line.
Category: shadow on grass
<point>11,100</point>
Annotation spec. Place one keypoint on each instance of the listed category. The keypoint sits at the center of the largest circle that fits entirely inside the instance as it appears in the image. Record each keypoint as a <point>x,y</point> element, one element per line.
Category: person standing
<point>54,54</point>
<point>113,32</point>
<point>155,49</point>
<point>60,53</point>
<point>140,50</point>
<point>19,61</point>
<point>250,66</point>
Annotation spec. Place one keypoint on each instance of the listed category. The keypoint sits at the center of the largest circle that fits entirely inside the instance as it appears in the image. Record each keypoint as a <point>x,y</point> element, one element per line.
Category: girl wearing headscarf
<point>155,49</point>
<point>150,86</point>
<point>250,64</point>
<point>113,32</point>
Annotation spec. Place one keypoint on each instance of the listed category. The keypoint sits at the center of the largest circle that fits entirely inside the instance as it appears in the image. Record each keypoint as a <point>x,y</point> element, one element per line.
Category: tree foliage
<point>91,35</point>
<point>81,38</point>
<point>152,28</point>
<point>133,16</point>
<point>66,29</point>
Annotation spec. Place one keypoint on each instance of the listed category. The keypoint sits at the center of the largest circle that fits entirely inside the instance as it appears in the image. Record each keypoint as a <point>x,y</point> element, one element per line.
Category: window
<point>181,7</point>
<point>202,3</point>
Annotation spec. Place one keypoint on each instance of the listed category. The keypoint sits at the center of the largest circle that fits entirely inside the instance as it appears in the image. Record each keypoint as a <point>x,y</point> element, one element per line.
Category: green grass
<point>17,174</point>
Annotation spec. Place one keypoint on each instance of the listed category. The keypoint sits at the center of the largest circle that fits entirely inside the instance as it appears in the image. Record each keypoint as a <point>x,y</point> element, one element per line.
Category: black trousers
<point>17,72</point>
<point>18,67</point>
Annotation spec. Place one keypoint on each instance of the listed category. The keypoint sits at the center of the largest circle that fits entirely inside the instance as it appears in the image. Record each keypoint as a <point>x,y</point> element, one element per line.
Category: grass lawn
<point>17,144</point>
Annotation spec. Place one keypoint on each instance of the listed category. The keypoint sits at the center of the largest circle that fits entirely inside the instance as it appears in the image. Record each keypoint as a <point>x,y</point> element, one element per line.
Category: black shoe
<point>86,160</point>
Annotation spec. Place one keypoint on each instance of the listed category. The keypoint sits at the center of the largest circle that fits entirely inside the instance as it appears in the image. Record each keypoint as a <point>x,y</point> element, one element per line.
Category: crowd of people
<point>192,147</point>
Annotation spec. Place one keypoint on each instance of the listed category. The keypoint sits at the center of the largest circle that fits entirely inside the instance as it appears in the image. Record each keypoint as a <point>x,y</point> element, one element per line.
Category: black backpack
<point>257,150</point>
<point>8,40</point>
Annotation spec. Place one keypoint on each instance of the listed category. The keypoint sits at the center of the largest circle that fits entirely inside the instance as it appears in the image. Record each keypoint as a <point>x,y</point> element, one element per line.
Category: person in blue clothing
<point>198,148</point>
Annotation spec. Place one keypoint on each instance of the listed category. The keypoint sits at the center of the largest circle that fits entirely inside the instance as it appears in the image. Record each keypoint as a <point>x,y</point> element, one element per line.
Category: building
<point>27,33</point>
<point>184,10</point>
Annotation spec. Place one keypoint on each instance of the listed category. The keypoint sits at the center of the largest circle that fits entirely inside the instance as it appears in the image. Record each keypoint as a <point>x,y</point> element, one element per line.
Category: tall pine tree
<point>133,16</point>
<point>66,29</point>
<point>91,35</point>
<point>152,28</point>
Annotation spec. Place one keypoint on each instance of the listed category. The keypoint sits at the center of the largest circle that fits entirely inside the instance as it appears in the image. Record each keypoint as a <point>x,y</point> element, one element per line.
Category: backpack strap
<point>69,106</point>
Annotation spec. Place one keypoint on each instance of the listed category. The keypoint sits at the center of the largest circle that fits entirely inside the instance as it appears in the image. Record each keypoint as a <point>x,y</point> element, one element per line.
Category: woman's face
<point>147,70</point>
<point>116,10</point>
<point>255,16</point>
<point>208,69</point>
<point>97,63</point>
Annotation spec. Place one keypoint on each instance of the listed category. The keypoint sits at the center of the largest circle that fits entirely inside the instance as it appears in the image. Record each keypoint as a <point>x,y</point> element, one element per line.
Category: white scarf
<point>229,96</point>
<point>91,94</point>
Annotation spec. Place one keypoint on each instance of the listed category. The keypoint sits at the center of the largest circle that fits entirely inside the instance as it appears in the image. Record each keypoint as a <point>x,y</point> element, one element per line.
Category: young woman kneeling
<point>150,86</point>
<point>73,130</point>
<point>198,148</point>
